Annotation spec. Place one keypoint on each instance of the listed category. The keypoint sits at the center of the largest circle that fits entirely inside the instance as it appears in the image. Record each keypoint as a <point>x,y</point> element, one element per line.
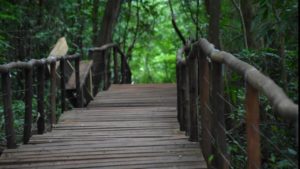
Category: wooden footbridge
<point>134,126</point>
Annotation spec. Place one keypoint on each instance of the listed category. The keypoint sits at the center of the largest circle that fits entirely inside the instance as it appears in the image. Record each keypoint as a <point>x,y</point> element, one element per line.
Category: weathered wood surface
<point>128,126</point>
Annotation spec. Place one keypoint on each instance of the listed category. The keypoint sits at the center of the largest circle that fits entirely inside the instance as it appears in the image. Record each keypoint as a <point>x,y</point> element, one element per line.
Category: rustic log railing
<point>200,92</point>
<point>38,67</point>
<point>104,76</point>
<point>29,69</point>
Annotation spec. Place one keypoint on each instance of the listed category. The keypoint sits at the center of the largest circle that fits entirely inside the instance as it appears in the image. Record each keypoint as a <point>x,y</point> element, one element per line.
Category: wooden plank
<point>60,48</point>
<point>110,136</point>
<point>84,68</point>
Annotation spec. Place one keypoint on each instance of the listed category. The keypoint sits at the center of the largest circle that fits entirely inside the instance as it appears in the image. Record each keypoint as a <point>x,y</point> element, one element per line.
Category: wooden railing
<point>201,100</point>
<point>37,67</point>
<point>103,75</point>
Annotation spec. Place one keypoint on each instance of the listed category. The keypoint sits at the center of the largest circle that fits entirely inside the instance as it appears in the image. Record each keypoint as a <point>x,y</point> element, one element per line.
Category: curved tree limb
<point>136,32</point>
<point>175,25</point>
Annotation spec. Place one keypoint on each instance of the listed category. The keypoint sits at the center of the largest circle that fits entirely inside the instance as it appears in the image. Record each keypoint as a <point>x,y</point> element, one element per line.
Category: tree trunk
<point>111,13</point>
<point>247,10</point>
<point>95,21</point>
<point>213,8</point>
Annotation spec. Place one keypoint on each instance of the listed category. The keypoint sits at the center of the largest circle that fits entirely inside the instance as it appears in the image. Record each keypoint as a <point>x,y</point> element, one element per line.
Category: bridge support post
<point>107,72</point>
<point>180,96</point>
<point>185,97</point>
<point>62,84</point>
<point>252,127</point>
<point>98,70</point>
<point>193,93</point>
<point>8,114</point>
<point>40,98</point>
<point>206,118</point>
<point>116,68</point>
<point>218,119</point>
<point>123,68</point>
<point>28,105</point>
<point>53,93</point>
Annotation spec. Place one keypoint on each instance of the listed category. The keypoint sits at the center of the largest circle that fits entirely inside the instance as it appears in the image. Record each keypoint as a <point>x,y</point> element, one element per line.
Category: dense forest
<point>263,33</point>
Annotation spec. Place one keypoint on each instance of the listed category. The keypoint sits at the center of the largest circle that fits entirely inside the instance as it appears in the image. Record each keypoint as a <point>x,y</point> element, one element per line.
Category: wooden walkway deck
<point>126,127</point>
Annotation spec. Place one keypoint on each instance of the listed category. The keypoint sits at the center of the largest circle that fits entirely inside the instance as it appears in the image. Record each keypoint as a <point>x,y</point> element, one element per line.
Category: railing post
<point>28,105</point>
<point>206,116</point>
<point>180,114</point>
<point>185,98</point>
<point>78,85</point>
<point>105,69</point>
<point>123,69</point>
<point>53,93</point>
<point>108,72</point>
<point>116,71</point>
<point>97,71</point>
<point>62,84</point>
<point>102,69</point>
<point>218,121</point>
<point>8,114</point>
<point>40,98</point>
<point>252,127</point>
<point>193,90</point>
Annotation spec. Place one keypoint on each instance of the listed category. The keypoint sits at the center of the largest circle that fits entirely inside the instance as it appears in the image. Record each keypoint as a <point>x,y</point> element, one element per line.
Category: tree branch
<point>136,31</point>
<point>238,8</point>
<point>175,25</point>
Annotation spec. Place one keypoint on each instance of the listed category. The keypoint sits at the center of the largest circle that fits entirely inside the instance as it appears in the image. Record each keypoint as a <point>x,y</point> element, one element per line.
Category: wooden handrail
<point>34,62</point>
<point>211,109</point>
<point>279,100</point>
<point>104,60</point>
<point>55,58</point>
<point>7,94</point>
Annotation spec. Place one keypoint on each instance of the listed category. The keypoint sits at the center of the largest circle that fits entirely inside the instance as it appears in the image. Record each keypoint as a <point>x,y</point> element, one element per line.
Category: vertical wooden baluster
<point>123,69</point>
<point>185,98</point>
<point>62,84</point>
<point>206,117</point>
<point>40,98</point>
<point>252,127</point>
<point>101,72</point>
<point>108,72</point>
<point>218,110</point>
<point>53,93</point>
<point>116,71</point>
<point>193,80</point>
<point>78,86</point>
<point>28,105</point>
<point>8,113</point>
<point>179,104</point>
<point>105,71</point>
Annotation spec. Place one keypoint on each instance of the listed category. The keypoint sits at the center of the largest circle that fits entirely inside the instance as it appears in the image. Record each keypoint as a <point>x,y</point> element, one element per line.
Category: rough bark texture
<point>105,36</point>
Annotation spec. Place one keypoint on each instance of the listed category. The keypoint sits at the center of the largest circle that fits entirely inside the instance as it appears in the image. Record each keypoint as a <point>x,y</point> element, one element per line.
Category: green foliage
<point>146,26</point>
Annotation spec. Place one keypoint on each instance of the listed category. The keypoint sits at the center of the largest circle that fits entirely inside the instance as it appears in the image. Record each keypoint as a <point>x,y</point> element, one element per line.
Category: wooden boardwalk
<point>128,126</point>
